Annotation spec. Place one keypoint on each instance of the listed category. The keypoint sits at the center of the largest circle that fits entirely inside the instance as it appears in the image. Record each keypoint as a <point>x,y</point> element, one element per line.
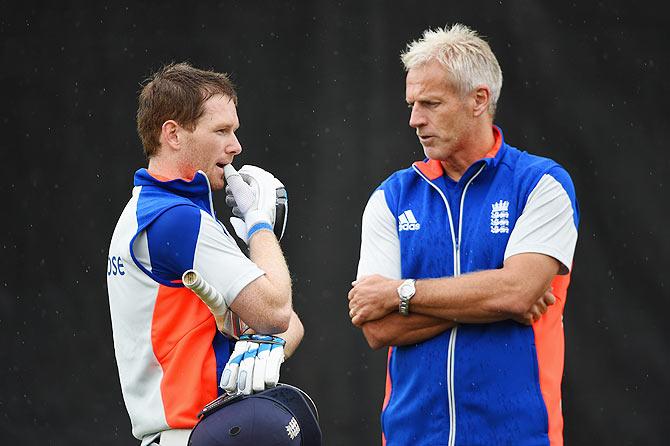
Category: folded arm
<point>511,292</point>
<point>488,296</point>
<point>265,303</point>
<point>395,329</point>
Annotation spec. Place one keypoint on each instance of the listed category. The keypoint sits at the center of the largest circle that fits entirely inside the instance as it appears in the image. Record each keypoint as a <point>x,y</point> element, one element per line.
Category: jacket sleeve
<point>186,237</point>
<point>380,246</point>
<point>548,223</point>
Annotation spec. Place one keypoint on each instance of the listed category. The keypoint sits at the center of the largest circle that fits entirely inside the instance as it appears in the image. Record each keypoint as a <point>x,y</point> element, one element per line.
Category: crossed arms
<point>520,290</point>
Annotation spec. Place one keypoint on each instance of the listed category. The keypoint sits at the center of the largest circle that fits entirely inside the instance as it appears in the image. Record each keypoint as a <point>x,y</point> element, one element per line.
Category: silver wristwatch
<point>405,291</point>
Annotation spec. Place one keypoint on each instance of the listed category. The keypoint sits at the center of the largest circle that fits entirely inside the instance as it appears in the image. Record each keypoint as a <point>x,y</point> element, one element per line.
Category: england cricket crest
<point>500,217</point>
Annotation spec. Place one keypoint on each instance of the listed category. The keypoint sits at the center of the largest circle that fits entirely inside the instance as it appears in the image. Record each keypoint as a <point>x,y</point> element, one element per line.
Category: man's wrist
<point>257,216</point>
<point>392,301</point>
<point>259,226</point>
<point>406,290</point>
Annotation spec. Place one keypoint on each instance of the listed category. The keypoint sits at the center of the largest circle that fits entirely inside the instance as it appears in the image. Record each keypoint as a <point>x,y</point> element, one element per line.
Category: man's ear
<point>171,134</point>
<point>482,99</point>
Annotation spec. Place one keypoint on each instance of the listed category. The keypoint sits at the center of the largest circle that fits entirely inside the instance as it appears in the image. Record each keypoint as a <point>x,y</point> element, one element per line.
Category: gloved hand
<point>254,364</point>
<point>258,200</point>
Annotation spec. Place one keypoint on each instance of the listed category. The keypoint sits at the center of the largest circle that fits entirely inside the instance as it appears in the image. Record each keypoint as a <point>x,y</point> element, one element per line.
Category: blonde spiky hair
<point>464,55</point>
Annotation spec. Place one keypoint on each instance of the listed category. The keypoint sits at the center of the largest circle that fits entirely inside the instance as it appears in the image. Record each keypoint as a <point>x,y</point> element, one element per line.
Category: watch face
<point>405,291</point>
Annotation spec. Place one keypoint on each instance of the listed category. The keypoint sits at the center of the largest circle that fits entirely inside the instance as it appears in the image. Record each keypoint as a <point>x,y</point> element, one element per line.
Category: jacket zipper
<point>456,242</point>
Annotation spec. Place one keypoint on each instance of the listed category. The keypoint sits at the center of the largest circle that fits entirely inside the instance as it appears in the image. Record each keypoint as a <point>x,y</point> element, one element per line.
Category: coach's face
<point>213,143</point>
<point>440,114</point>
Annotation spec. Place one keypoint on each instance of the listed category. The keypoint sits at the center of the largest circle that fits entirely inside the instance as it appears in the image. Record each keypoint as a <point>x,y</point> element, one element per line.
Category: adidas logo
<point>407,222</point>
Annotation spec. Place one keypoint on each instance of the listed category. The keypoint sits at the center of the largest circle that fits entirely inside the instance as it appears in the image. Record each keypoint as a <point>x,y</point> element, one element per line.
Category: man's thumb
<point>241,191</point>
<point>234,180</point>
<point>229,171</point>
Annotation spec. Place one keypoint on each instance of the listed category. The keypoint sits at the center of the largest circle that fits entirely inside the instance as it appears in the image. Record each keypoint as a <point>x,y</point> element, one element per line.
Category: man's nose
<point>235,148</point>
<point>417,118</point>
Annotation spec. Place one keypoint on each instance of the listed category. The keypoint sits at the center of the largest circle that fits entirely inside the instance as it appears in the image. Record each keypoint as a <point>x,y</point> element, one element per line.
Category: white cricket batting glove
<point>258,200</point>
<point>254,364</point>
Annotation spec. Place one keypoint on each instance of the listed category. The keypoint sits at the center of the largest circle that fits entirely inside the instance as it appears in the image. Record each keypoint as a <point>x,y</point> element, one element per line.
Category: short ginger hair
<point>177,91</point>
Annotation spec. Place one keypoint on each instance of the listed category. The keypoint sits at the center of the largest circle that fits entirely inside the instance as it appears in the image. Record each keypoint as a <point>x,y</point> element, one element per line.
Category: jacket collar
<point>432,169</point>
<point>197,189</point>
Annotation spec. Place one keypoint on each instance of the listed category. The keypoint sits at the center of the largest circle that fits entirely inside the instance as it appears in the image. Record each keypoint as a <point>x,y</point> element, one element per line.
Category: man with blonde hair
<point>464,265</point>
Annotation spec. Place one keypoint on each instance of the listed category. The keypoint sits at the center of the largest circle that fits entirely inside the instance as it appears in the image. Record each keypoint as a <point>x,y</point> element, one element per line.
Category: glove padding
<point>254,195</point>
<point>254,364</point>
<point>281,217</point>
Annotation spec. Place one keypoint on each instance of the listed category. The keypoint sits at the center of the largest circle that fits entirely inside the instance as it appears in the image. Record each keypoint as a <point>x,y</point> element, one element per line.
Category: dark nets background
<point>322,105</point>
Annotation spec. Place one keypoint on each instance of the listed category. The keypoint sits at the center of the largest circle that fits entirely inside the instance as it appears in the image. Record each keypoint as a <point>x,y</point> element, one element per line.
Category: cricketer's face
<point>213,143</point>
<point>440,114</point>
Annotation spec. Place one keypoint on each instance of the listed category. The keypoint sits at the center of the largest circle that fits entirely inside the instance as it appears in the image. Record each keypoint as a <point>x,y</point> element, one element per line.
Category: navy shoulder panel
<point>172,239</point>
<point>395,184</point>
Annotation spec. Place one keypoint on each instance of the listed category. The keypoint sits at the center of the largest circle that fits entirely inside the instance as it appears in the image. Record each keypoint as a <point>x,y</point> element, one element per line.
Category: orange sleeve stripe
<point>389,386</point>
<point>550,347</point>
<point>180,323</point>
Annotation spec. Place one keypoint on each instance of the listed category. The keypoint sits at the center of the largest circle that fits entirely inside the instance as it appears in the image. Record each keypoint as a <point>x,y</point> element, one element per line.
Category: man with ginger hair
<point>172,360</point>
<point>464,265</point>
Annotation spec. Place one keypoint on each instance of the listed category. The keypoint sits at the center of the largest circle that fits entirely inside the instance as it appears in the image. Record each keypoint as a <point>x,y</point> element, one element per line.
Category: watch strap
<point>403,305</point>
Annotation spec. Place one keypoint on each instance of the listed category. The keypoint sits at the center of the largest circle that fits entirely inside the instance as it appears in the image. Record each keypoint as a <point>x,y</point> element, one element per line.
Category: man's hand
<point>254,364</point>
<point>538,308</point>
<point>252,193</point>
<point>372,298</point>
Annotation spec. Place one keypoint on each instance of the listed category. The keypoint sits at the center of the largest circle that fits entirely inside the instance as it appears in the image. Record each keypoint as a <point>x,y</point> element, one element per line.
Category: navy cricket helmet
<point>280,416</point>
